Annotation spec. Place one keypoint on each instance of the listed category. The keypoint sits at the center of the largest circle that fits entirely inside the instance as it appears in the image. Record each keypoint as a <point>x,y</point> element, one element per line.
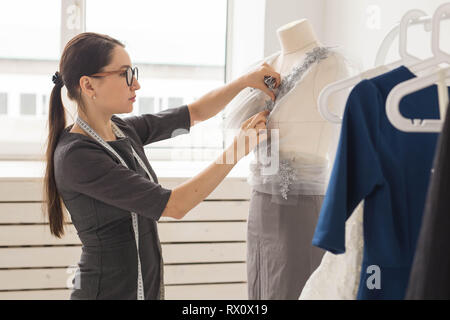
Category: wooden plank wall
<point>204,254</point>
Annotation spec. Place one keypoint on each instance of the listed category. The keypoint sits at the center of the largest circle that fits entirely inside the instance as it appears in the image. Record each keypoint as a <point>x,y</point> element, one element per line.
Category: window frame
<point>74,11</point>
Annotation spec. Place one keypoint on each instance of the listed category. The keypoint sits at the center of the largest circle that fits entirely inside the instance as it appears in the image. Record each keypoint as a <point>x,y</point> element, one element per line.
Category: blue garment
<point>389,170</point>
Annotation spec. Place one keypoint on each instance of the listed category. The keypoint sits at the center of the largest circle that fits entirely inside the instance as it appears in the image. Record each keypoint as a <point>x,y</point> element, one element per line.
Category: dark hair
<point>86,53</point>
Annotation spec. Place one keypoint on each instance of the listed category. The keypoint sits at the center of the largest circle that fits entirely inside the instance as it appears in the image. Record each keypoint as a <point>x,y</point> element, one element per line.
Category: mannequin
<point>281,223</point>
<point>301,128</point>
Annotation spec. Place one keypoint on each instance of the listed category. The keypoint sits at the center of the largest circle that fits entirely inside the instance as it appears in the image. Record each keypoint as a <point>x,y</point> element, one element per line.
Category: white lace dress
<point>337,277</point>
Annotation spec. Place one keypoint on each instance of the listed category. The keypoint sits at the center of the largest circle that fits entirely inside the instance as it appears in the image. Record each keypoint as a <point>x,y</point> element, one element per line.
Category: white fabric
<point>248,101</point>
<point>271,171</point>
<point>292,178</point>
<point>337,277</point>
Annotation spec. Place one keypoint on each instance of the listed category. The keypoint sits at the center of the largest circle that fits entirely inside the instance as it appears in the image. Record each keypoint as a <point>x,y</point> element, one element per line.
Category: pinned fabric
<point>249,101</point>
<point>289,82</point>
<point>290,178</point>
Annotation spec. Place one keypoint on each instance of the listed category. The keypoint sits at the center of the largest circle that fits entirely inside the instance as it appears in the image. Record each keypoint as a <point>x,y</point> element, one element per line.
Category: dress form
<point>304,135</point>
<point>282,217</point>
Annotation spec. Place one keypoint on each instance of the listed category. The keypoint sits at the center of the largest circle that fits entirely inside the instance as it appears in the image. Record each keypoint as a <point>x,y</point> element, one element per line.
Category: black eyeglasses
<point>129,72</point>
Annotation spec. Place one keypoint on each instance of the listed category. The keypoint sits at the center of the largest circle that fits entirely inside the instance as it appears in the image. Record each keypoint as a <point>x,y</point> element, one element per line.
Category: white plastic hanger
<point>410,86</point>
<point>411,16</point>
<point>439,56</point>
<point>394,32</point>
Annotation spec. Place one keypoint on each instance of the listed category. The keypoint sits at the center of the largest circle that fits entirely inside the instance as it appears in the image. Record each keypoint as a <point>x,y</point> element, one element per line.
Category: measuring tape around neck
<point>119,133</point>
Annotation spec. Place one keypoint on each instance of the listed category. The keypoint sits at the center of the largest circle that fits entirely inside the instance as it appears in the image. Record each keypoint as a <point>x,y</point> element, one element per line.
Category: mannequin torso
<point>304,134</point>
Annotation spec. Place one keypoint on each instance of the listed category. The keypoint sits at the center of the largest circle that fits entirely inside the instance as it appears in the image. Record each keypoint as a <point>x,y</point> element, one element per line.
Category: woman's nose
<point>136,85</point>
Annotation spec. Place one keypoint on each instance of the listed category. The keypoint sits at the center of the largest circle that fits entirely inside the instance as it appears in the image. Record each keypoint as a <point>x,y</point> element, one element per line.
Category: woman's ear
<point>86,85</point>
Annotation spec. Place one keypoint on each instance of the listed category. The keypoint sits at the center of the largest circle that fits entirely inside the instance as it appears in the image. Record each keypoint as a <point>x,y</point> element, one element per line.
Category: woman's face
<point>112,91</point>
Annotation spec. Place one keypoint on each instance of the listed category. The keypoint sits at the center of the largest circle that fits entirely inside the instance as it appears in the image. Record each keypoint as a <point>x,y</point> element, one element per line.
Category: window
<point>30,36</point>
<point>178,59</point>
<point>27,104</point>
<point>174,102</point>
<point>44,105</point>
<point>3,103</point>
<point>146,105</point>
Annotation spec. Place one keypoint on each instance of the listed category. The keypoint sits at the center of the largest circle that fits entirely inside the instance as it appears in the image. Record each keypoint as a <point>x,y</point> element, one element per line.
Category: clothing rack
<point>412,17</point>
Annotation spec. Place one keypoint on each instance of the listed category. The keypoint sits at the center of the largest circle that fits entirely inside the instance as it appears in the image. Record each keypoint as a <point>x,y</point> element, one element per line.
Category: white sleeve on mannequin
<point>247,102</point>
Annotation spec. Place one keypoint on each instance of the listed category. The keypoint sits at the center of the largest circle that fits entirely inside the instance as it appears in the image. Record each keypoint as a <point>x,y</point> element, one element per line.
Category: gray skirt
<point>280,256</point>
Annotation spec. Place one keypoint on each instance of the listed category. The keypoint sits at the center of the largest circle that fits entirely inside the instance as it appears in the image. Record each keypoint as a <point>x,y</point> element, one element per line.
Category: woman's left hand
<point>255,79</point>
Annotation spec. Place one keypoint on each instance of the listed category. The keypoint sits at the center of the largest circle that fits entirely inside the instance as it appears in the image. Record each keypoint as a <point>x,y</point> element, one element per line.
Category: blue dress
<point>389,170</point>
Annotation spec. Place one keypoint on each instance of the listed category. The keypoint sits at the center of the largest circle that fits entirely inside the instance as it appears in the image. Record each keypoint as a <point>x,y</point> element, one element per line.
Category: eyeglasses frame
<point>134,72</point>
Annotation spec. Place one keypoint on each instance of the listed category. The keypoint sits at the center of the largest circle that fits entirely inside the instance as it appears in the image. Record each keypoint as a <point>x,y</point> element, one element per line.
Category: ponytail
<point>57,122</point>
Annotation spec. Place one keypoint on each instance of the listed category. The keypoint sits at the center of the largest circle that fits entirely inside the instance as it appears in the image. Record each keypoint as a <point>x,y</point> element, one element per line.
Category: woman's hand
<point>251,133</point>
<point>190,193</point>
<point>255,79</point>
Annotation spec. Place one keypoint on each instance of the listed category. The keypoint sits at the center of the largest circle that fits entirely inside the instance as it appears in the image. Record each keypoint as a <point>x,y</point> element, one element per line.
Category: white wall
<point>281,12</point>
<point>359,27</point>
<point>254,23</point>
<point>245,39</point>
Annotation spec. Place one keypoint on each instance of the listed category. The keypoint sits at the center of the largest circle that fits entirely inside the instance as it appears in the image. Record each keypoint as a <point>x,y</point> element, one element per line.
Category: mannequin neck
<point>296,36</point>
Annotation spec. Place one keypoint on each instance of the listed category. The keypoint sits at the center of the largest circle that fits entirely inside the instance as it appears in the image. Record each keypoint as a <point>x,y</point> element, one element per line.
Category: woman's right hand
<point>251,133</point>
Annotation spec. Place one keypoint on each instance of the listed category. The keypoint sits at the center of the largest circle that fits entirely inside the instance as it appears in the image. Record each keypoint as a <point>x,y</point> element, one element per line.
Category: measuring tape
<point>120,134</point>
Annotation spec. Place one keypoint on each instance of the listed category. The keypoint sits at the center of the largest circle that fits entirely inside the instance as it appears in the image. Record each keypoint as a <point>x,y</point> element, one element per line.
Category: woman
<point>99,169</point>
